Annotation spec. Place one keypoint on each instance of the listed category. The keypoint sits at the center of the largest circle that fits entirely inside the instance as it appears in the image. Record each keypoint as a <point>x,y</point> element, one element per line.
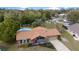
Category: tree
<point>37,22</point>
<point>8,29</point>
<point>29,16</point>
<point>73,16</point>
<point>1,17</point>
<point>48,15</point>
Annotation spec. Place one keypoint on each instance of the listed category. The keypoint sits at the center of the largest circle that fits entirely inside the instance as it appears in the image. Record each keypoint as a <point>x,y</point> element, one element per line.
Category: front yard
<point>71,43</point>
<point>42,47</point>
<point>36,48</point>
<point>13,47</point>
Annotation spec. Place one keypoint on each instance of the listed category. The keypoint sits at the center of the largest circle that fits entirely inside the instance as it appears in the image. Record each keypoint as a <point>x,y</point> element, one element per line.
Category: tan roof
<point>38,31</point>
<point>52,32</point>
<point>22,34</point>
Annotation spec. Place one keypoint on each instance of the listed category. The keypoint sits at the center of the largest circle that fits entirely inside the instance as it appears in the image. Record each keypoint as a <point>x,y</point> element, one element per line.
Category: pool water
<point>25,29</point>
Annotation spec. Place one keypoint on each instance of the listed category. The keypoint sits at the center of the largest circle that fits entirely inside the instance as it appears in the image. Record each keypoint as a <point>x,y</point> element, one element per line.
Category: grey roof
<point>74,28</point>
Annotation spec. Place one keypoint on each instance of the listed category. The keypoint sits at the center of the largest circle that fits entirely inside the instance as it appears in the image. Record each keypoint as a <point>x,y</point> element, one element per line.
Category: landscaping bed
<point>41,47</point>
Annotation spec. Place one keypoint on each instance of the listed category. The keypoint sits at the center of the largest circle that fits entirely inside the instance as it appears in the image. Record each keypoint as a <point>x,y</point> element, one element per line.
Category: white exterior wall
<point>23,42</point>
<point>30,41</point>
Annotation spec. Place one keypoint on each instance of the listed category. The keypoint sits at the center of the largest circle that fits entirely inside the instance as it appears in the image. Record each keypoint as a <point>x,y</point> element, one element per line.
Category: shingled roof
<point>38,31</point>
<point>74,28</point>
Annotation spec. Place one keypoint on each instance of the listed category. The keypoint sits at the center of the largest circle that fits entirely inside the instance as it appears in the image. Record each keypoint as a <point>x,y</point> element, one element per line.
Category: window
<point>20,41</point>
<point>24,41</point>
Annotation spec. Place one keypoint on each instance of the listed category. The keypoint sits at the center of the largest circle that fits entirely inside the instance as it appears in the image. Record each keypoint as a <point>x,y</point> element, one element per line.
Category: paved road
<point>57,20</point>
<point>58,45</point>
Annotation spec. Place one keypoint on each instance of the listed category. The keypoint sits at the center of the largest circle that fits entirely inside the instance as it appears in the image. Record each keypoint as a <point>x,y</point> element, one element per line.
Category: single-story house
<point>62,15</point>
<point>74,29</point>
<point>37,35</point>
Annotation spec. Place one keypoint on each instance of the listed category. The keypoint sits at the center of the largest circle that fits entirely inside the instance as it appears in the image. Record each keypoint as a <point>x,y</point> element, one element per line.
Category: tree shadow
<point>48,45</point>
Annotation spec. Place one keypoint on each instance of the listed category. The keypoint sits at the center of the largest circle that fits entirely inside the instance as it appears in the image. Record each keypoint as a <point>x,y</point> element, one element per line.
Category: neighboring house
<point>38,35</point>
<point>62,15</point>
<point>66,23</point>
<point>74,29</point>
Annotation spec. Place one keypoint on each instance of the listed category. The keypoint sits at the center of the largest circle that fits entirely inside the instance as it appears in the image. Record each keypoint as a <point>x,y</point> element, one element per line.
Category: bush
<point>23,46</point>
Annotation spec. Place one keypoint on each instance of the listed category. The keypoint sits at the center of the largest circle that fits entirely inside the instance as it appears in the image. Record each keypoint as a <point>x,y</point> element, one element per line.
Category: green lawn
<point>68,36</point>
<point>37,48</point>
<point>32,48</point>
<point>49,25</point>
<point>72,44</point>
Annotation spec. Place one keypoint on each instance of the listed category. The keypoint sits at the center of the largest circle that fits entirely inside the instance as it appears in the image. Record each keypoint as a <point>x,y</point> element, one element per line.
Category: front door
<point>40,40</point>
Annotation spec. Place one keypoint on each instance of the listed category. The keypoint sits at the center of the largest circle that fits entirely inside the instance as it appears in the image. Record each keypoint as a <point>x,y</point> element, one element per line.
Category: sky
<point>39,3</point>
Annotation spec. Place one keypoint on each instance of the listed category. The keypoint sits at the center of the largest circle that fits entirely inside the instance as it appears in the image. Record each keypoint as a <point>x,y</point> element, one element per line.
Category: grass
<point>32,48</point>
<point>45,24</point>
<point>37,48</point>
<point>49,25</point>
<point>28,27</point>
<point>68,36</point>
<point>41,47</point>
<point>72,43</point>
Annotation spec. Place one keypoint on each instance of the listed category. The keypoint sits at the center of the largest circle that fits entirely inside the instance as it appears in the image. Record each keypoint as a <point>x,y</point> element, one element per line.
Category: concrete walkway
<point>58,45</point>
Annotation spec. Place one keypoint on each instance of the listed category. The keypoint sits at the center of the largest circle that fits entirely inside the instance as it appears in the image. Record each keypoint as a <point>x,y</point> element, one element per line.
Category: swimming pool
<point>24,29</point>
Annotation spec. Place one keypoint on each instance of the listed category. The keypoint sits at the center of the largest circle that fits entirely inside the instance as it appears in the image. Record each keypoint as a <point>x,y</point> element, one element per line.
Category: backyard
<point>49,25</point>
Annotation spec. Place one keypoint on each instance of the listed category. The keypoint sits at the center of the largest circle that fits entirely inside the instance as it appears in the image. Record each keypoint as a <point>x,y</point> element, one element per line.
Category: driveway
<point>58,45</point>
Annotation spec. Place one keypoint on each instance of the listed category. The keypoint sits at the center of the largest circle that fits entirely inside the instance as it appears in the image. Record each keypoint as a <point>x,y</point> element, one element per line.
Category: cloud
<point>39,3</point>
<point>53,8</point>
